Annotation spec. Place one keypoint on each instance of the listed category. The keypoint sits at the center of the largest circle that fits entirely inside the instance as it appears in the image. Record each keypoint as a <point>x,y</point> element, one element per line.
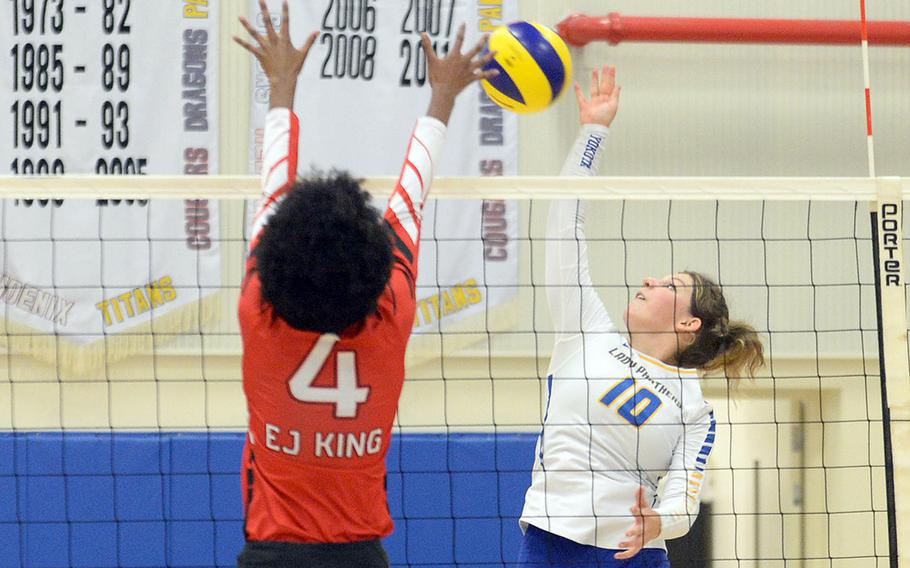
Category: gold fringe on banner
<point>459,336</point>
<point>90,360</point>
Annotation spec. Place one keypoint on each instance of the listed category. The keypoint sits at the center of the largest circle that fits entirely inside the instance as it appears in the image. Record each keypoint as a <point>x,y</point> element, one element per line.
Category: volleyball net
<point>123,415</point>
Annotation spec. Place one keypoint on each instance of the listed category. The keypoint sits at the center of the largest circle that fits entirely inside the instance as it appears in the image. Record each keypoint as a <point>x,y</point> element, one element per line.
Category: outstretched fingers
<point>608,79</point>
<point>254,33</point>
<point>630,550</point>
<point>488,74</point>
<point>267,17</point>
<point>428,47</point>
<point>249,47</point>
<point>580,94</point>
<point>459,39</point>
<point>635,536</point>
<point>452,72</point>
<point>478,63</point>
<point>634,541</point>
<point>285,21</point>
<point>481,61</point>
<point>642,500</point>
<point>305,50</point>
<point>478,47</point>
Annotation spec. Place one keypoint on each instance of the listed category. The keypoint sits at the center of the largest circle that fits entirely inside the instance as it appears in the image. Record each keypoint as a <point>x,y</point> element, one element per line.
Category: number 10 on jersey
<point>638,407</point>
<point>346,395</point>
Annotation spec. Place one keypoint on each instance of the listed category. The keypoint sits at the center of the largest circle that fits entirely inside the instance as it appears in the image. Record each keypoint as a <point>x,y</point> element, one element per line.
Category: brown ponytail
<point>732,348</point>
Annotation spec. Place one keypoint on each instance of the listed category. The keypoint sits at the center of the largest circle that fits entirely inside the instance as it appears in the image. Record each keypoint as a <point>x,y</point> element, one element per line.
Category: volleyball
<point>534,67</point>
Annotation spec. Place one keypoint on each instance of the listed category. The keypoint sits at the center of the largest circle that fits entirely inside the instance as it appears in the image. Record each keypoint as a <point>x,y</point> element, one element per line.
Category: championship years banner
<point>107,88</point>
<point>361,91</point>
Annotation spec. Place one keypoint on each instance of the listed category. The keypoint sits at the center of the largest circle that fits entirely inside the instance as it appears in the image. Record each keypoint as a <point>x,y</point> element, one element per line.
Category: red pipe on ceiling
<point>580,29</point>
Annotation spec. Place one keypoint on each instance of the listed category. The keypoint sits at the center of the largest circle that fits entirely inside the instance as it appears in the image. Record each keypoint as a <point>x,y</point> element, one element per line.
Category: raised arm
<point>282,63</point>
<point>449,76</point>
<point>574,304</point>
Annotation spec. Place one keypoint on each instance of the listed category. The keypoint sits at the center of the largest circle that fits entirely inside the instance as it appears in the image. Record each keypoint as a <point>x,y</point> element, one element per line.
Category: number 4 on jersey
<point>345,395</point>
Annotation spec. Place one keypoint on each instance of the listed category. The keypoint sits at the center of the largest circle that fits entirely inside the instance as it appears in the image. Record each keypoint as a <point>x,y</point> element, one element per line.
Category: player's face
<point>661,305</point>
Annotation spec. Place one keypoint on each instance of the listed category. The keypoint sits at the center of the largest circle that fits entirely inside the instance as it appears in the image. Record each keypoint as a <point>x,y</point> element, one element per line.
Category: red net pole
<point>615,28</point>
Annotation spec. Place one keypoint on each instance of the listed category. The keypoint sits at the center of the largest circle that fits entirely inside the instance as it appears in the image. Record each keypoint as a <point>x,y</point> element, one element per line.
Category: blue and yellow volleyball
<point>534,66</point>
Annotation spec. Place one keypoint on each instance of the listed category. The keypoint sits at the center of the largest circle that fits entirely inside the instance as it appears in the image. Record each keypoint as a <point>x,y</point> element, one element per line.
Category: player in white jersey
<point>622,413</point>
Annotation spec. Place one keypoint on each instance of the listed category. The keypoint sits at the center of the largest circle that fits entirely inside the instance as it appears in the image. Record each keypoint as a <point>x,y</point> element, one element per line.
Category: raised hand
<point>450,75</point>
<point>281,61</point>
<point>646,528</point>
<point>604,102</point>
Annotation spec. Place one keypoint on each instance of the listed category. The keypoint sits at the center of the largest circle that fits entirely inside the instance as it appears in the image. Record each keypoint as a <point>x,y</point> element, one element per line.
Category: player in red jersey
<point>326,311</point>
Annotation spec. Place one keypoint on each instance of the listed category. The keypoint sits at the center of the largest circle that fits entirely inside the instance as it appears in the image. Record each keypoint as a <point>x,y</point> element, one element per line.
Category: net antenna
<point>890,296</point>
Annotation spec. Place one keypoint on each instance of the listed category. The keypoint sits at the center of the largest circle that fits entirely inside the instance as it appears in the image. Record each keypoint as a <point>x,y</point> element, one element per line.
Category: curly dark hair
<point>325,256</point>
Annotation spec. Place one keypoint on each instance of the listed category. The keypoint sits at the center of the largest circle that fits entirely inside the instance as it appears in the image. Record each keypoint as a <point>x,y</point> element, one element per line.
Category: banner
<point>362,89</point>
<point>107,88</point>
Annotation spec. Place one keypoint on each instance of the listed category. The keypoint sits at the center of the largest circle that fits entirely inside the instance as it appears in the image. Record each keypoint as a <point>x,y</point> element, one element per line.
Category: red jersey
<point>321,406</point>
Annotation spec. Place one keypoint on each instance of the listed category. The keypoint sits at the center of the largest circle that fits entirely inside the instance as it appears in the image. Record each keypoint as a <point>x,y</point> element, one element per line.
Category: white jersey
<point>616,419</point>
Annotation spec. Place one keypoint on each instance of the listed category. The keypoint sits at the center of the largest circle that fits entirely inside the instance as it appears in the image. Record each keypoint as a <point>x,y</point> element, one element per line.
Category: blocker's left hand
<point>646,527</point>
<point>450,75</point>
<point>280,60</point>
<point>601,108</point>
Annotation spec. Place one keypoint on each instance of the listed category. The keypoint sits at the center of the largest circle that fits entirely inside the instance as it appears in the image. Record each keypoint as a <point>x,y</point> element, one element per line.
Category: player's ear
<point>690,324</point>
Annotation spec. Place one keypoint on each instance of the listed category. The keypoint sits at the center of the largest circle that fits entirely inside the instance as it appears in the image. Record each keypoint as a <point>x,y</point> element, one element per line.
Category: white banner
<point>362,89</point>
<point>107,88</point>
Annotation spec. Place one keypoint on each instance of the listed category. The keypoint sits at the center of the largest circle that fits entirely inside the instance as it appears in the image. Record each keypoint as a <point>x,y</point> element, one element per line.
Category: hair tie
<point>723,334</point>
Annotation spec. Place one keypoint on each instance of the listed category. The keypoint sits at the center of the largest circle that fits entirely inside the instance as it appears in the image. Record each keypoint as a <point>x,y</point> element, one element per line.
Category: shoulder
<point>595,351</point>
<point>250,293</point>
<point>696,408</point>
<point>393,318</point>
<point>689,377</point>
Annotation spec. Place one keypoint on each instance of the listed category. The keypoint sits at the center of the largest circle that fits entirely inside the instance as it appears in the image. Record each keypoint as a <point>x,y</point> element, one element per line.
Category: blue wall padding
<point>147,500</point>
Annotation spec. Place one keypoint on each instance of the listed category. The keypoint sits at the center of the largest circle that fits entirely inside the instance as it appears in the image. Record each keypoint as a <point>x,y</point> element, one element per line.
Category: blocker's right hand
<point>601,108</point>
<point>281,61</point>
